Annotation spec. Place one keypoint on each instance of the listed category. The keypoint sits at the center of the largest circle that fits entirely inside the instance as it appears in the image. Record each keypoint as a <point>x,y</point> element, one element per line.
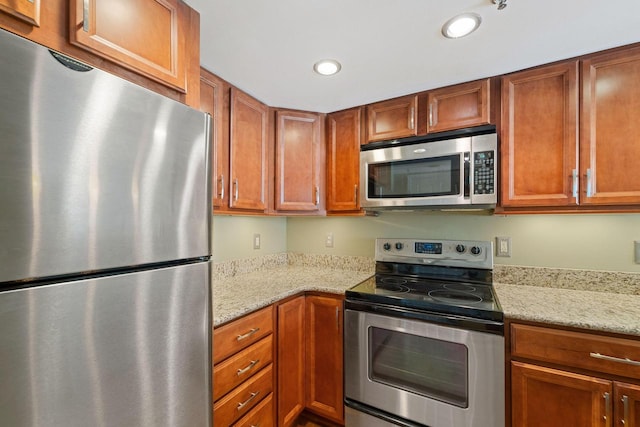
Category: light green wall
<point>586,241</point>
<point>233,236</point>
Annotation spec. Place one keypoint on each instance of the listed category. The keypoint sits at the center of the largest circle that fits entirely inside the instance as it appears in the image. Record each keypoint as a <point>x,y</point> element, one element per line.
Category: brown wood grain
<point>25,10</point>
<point>260,416</point>
<point>459,106</point>
<point>626,395</point>
<point>225,338</point>
<point>394,118</point>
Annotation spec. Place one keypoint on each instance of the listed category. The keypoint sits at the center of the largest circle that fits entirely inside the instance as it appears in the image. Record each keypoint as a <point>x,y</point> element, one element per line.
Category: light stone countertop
<point>602,311</point>
<point>244,293</point>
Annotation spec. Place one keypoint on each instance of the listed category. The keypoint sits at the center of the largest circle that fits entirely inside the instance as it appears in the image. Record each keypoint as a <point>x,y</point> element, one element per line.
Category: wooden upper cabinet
<point>147,36</point>
<point>344,137</point>
<point>459,106</point>
<point>214,99</point>
<point>610,129</point>
<point>539,137</point>
<point>299,161</point>
<point>324,326</point>
<point>25,10</point>
<point>248,152</point>
<point>395,118</point>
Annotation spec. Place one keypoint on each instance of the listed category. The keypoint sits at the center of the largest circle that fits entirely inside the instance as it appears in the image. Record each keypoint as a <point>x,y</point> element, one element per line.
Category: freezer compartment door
<point>95,172</point>
<point>128,350</point>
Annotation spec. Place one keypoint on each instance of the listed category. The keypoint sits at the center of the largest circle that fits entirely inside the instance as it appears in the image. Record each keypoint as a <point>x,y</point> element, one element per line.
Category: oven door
<point>423,372</point>
<point>433,173</point>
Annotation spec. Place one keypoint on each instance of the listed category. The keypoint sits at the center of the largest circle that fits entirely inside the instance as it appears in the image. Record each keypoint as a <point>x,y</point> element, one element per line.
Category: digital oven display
<point>428,248</point>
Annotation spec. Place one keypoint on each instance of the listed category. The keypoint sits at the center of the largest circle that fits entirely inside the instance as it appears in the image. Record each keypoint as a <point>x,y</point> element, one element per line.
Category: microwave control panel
<point>484,172</point>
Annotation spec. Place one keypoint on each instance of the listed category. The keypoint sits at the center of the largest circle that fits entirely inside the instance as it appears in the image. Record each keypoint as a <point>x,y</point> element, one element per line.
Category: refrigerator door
<point>95,172</point>
<point>128,350</point>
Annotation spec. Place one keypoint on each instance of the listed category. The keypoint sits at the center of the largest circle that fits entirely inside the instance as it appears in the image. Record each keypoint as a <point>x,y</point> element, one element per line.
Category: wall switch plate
<point>328,242</point>
<point>636,251</point>
<point>503,246</point>
<point>256,241</point>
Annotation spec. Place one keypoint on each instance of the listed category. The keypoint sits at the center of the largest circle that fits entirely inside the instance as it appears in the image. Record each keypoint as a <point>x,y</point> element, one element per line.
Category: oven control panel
<point>453,253</point>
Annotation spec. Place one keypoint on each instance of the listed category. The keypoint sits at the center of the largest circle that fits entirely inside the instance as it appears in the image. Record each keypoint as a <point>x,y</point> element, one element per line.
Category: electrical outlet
<point>328,241</point>
<point>636,251</point>
<point>256,241</point>
<point>503,246</point>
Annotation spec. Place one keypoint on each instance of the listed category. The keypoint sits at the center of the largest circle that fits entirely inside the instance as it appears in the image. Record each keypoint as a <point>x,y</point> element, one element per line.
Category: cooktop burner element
<point>437,276</point>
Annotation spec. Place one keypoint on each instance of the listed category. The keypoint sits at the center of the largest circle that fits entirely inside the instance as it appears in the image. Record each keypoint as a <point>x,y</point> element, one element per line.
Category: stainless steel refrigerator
<point>104,248</point>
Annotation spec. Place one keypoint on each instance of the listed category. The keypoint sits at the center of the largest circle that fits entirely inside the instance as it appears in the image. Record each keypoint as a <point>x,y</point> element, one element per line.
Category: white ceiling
<point>390,48</point>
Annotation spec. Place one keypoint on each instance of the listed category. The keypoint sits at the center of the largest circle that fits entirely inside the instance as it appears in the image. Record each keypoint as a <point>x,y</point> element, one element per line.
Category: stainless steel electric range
<point>424,338</point>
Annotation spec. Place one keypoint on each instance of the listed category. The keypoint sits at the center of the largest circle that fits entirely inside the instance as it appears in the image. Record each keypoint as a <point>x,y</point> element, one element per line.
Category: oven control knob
<point>386,246</point>
<point>460,248</point>
<point>399,246</point>
<point>475,250</point>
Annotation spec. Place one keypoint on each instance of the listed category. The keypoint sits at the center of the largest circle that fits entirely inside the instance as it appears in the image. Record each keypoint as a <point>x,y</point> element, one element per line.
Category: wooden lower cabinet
<point>627,404</point>
<point>324,355</point>
<point>262,415</point>
<point>291,360</point>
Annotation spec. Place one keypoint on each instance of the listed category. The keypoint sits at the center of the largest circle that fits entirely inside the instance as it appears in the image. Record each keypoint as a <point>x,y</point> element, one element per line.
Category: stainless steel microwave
<point>447,171</point>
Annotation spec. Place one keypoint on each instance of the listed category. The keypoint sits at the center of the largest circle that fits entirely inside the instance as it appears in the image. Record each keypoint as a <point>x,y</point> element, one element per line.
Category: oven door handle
<point>467,174</point>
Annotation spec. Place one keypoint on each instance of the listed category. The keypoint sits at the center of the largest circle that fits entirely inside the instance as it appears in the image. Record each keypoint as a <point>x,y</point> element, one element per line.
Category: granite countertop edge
<point>236,296</point>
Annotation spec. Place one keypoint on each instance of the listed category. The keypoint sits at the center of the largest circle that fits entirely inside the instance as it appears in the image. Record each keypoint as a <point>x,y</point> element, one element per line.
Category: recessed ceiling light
<point>461,25</point>
<point>327,67</point>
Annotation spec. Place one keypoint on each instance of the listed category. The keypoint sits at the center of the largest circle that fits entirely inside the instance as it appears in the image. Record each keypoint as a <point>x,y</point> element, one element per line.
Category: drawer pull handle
<point>248,334</point>
<point>246,402</point>
<point>249,366</point>
<point>615,359</point>
<point>625,402</point>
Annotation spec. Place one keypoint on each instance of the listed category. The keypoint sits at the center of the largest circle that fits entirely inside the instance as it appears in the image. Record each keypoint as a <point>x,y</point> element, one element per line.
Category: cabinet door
<point>214,99</point>
<point>291,360</point>
<point>325,389</point>
<point>544,397</point>
<point>298,161</point>
<point>343,160</point>
<point>395,118</point>
<point>610,132</point>
<point>539,137</point>
<point>627,405</point>
<point>147,36</point>
<point>458,106</point>
<point>248,152</point>
<point>26,10</point>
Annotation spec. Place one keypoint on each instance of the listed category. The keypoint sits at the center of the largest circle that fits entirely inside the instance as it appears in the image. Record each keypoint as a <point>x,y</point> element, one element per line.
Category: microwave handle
<point>467,174</point>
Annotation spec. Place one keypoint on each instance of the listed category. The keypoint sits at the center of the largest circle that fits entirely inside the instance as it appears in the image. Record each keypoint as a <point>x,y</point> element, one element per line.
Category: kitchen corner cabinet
<point>147,36</point>
<point>25,10</point>
<point>344,136</point>
<point>324,356</point>
<point>214,99</point>
<point>291,360</point>
<point>391,119</point>
<point>539,138</point>
<point>299,160</point>
<point>610,130</point>
<point>248,153</point>
<point>459,106</point>
<point>572,378</point>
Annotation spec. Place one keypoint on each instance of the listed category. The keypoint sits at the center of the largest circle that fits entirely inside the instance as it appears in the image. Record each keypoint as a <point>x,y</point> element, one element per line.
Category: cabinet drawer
<point>261,415</point>
<point>229,374</point>
<point>241,333</point>
<point>240,401</point>
<point>616,356</point>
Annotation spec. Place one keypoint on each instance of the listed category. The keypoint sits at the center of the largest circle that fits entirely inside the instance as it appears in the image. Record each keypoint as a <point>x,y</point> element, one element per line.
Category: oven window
<point>426,366</point>
<point>430,177</point>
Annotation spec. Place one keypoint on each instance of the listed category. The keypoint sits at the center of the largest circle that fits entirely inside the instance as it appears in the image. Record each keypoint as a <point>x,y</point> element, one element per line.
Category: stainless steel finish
<point>449,257</point>
<point>412,118</point>
<point>95,172</point>
<point>431,114</point>
<point>317,195</point>
<point>607,405</point>
<point>354,418</point>
<point>355,196</point>
<point>221,187</point>
<point>574,183</point>
<point>247,368</point>
<point>85,16</point>
<point>337,319</point>
<point>247,335</point>
<point>486,374</point>
<point>246,402</point>
<point>589,183</point>
<point>235,189</point>
<point>615,359</point>
<point>127,350</point>
<point>625,411</point>
<point>471,145</point>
